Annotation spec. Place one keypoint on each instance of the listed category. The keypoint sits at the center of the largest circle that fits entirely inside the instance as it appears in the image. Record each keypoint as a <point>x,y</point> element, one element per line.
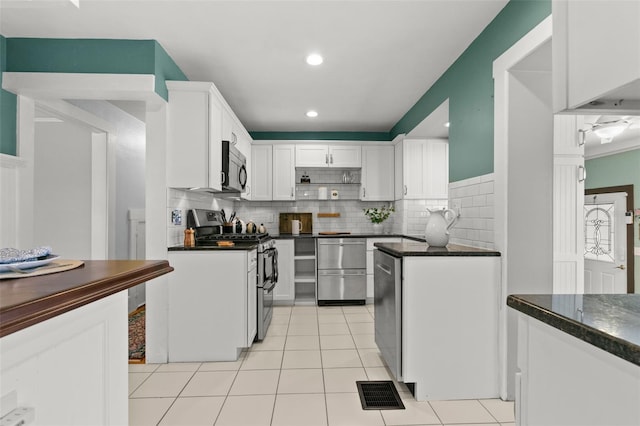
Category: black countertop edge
<point>620,347</point>
<point>365,235</point>
<point>423,249</point>
<point>244,246</point>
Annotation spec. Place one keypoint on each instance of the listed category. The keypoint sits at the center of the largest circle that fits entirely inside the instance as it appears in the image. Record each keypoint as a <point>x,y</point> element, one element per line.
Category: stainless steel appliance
<point>234,169</point>
<point>387,299</point>
<point>267,271</point>
<point>342,271</point>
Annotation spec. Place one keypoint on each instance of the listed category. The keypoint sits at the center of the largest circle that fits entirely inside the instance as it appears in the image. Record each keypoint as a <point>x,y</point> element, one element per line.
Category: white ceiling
<point>380,56</point>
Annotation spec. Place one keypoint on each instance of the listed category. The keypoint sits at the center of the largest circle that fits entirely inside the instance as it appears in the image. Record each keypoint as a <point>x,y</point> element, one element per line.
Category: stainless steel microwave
<point>234,169</point>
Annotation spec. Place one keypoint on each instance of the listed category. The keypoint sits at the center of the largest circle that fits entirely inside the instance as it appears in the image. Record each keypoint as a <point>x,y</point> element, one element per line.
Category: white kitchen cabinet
<point>340,156</point>
<point>284,293</point>
<point>596,54</point>
<point>230,131</point>
<point>210,290</point>
<point>41,366</point>
<point>261,172</point>
<point>370,265</point>
<point>194,145</point>
<point>377,173</point>
<point>284,172</point>
<point>554,386</point>
<point>445,296</point>
<point>424,173</point>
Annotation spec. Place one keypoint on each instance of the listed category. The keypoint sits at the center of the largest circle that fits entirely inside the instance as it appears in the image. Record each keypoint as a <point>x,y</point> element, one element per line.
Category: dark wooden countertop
<point>610,322</point>
<point>28,301</point>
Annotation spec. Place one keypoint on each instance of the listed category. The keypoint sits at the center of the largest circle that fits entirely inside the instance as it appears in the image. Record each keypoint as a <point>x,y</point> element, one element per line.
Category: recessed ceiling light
<point>314,59</point>
<point>312,114</point>
<point>446,124</point>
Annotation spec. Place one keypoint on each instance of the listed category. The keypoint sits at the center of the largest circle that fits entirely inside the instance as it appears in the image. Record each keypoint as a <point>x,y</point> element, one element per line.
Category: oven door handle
<point>269,287</point>
<point>275,266</point>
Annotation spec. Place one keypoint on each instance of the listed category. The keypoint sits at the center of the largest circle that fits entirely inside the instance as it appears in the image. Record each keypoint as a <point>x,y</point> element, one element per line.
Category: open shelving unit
<point>305,271</point>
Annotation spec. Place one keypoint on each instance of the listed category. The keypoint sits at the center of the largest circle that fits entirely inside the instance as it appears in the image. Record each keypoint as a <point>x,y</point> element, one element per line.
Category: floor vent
<point>379,395</point>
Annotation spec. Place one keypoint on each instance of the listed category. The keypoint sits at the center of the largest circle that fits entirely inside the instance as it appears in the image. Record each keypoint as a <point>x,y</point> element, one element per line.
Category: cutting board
<point>333,233</point>
<point>306,222</point>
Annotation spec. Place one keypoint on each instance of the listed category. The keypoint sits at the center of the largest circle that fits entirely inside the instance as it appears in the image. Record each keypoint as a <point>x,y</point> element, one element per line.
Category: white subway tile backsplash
<point>474,196</point>
<point>476,199</point>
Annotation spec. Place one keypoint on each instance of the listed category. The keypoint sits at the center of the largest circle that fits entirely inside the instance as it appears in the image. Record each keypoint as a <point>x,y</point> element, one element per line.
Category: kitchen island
<point>445,301</point>
<point>63,349</point>
<point>578,359</point>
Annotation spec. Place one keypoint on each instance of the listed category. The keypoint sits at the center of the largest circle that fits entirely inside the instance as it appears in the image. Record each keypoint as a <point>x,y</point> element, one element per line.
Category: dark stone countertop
<point>610,322</point>
<point>238,246</point>
<point>423,249</point>
<point>364,235</point>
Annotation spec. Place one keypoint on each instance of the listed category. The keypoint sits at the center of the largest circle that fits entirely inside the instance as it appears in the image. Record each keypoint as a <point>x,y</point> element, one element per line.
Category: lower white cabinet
<point>450,308</point>
<point>284,292</point>
<point>212,304</point>
<point>370,265</point>
<point>72,369</point>
<point>561,377</point>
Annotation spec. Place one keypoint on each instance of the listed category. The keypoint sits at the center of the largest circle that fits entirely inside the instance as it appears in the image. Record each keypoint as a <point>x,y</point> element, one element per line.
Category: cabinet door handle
<point>326,158</point>
<point>292,192</point>
<point>364,192</point>
<point>581,137</point>
<point>582,174</point>
<point>223,177</point>
<point>331,156</point>
<point>248,190</point>
<point>405,190</point>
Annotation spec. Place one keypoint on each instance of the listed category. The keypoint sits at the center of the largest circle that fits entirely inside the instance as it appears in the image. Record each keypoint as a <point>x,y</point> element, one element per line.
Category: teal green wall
<point>81,56</point>
<point>325,136</point>
<point>7,109</point>
<point>614,170</point>
<point>468,84</point>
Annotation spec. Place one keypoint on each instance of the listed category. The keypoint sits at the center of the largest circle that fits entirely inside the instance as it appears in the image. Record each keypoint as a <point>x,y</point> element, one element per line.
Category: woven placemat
<point>58,265</point>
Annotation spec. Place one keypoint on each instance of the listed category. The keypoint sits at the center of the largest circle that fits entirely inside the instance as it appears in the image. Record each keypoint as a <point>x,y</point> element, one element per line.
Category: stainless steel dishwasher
<point>342,271</point>
<point>387,304</point>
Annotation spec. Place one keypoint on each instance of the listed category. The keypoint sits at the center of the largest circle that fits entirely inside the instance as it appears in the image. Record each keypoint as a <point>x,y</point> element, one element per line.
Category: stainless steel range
<point>208,231</point>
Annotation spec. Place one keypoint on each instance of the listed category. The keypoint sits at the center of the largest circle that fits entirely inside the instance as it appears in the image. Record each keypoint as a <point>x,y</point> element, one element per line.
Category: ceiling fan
<point>607,127</point>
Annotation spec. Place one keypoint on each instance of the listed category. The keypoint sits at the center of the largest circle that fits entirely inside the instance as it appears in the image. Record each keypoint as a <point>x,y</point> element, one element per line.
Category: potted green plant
<point>378,215</point>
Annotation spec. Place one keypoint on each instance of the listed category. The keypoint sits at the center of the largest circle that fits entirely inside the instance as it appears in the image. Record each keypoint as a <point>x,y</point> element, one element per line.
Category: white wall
<point>129,191</point>
<point>62,188</point>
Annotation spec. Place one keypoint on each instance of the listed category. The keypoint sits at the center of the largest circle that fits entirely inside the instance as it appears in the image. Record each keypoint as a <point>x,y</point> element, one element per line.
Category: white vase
<point>377,228</point>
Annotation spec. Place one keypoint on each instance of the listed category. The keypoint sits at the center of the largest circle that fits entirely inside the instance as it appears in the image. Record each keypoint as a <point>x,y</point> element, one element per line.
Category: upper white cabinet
<point>596,54</point>
<point>194,146</point>
<point>424,170</point>
<point>284,172</point>
<point>261,172</point>
<point>377,173</point>
<point>346,156</point>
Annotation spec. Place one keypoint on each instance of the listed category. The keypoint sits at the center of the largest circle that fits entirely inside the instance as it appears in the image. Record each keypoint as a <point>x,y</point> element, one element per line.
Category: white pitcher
<point>437,230</point>
<point>295,227</point>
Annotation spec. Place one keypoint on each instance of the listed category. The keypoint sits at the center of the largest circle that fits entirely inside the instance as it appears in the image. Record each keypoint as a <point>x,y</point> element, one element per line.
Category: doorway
<point>608,263</point>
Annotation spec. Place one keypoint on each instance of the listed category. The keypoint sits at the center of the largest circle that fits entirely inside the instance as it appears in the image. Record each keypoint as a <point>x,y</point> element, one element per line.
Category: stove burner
<point>232,237</point>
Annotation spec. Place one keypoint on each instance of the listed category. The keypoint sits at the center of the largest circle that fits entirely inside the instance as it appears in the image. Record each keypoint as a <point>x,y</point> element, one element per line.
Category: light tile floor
<point>303,373</point>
